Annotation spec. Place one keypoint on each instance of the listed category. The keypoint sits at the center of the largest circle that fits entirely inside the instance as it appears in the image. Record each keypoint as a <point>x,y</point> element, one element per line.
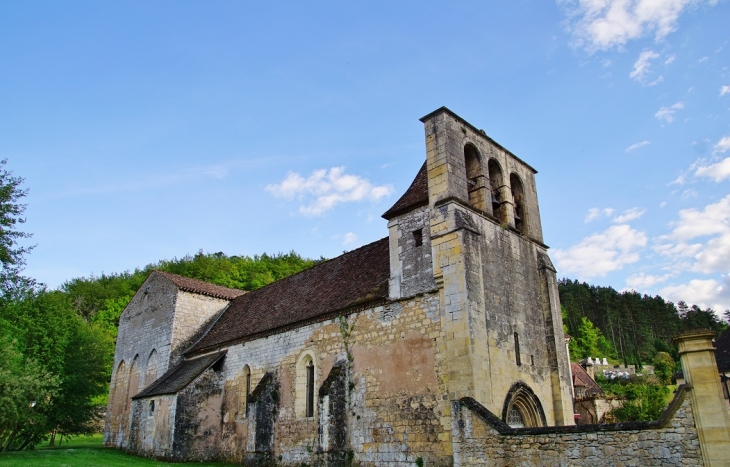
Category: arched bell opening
<point>475,180</point>
<point>518,197</point>
<point>495,184</point>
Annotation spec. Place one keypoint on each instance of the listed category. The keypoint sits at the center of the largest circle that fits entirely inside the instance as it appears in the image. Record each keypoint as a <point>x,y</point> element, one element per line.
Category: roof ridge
<point>188,284</point>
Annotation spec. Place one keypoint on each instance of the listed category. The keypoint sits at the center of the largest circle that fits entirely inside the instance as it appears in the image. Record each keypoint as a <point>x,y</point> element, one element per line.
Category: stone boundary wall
<point>481,438</point>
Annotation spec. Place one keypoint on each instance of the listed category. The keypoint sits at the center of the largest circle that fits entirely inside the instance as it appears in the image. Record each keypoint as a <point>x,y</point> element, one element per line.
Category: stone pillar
<point>709,406</point>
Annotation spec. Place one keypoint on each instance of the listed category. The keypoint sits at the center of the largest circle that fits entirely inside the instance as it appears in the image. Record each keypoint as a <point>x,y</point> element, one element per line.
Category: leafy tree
<point>11,215</point>
<point>644,397</point>
<point>588,341</point>
<point>664,367</point>
<point>26,390</point>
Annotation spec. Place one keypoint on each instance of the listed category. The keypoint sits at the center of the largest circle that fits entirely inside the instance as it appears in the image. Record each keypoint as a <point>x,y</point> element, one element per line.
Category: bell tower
<point>502,333</point>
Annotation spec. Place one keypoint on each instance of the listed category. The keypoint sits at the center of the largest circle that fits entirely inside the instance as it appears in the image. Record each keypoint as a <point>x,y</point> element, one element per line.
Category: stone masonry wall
<point>153,426</point>
<point>193,314</point>
<point>394,396</point>
<point>145,325</point>
<point>481,439</point>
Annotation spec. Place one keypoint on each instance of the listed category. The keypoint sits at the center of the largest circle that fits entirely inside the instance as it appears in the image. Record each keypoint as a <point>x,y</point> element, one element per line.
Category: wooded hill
<point>627,327</point>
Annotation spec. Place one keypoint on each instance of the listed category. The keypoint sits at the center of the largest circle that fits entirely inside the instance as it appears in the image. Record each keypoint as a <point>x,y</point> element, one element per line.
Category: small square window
<point>418,237</point>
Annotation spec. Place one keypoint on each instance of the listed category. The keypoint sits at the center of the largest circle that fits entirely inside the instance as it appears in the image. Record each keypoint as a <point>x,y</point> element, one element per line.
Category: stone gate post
<point>710,408</point>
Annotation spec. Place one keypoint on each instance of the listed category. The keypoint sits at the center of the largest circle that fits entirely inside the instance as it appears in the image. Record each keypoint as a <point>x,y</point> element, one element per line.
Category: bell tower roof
<point>415,196</point>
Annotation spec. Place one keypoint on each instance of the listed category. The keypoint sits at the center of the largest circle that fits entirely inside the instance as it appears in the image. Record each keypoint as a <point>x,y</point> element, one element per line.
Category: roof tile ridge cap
<point>316,266</point>
<point>167,275</point>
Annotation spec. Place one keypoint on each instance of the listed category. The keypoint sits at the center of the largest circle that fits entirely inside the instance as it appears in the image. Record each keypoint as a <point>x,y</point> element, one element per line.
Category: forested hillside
<point>101,299</point>
<point>627,326</point>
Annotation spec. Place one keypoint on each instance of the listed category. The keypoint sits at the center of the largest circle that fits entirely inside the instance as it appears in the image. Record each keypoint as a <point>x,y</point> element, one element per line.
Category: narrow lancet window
<point>517,349</point>
<point>310,389</point>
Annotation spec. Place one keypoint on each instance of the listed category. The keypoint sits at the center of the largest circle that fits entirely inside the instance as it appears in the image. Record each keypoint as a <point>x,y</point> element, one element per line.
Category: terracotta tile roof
<point>581,378</point>
<point>355,279</point>
<point>179,376</point>
<point>722,351</point>
<point>415,196</point>
<point>200,287</point>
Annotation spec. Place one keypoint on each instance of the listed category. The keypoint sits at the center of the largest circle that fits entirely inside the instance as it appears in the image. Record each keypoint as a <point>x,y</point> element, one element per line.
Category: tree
<point>664,367</point>
<point>644,397</point>
<point>589,342</point>
<point>11,216</point>
<point>26,390</point>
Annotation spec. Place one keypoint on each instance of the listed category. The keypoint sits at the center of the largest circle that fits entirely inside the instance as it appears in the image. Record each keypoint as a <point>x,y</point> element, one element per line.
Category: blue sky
<point>151,130</point>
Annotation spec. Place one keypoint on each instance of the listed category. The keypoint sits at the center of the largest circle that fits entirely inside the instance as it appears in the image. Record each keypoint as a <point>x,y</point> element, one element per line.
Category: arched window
<point>522,408</point>
<point>118,389</point>
<point>151,370</point>
<point>132,385</point>
<point>495,184</point>
<point>305,385</point>
<point>518,196</point>
<point>310,389</point>
<point>475,180</point>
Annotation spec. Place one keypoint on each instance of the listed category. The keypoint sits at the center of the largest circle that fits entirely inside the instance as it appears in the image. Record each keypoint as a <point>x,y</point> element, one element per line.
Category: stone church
<point>368,358</point>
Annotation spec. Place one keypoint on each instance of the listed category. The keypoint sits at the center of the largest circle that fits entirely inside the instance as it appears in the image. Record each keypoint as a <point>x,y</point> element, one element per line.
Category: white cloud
<point>701,292</point>
<point>349,238</point>
<point>629,215</point>
<point>595,213</point>
<point>329,188</point>
<point>713,220</point>
<point>723,145</point>
<point>669,60</point>
<point>718,171</point>
<point>606,24</point>
<point>642,66</point>
<point>709,257</point>
<point>689,193</point>
<point>715,256</point>
<point>638,145</point>
<point>601,253</point>
<point>724,90</point>
<point>703,59</point>
<point>667,113</point>
<point>642,281</point>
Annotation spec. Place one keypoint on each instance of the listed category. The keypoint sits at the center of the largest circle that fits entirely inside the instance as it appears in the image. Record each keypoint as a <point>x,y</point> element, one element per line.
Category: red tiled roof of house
<point>581,378</point>
<point>354,279</point>
<point>201,287</point>
<point>415,196</point>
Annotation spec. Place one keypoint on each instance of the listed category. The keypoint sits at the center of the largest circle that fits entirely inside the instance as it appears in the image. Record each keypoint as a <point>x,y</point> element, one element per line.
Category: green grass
<point>85,451</point>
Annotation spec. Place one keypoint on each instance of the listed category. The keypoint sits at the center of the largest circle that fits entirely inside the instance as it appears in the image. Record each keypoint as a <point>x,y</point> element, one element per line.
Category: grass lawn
<point>85,451</point>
